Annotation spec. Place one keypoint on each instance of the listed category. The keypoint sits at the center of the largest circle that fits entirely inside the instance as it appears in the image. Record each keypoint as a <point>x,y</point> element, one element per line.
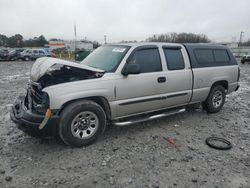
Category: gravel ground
<point>132,156</point>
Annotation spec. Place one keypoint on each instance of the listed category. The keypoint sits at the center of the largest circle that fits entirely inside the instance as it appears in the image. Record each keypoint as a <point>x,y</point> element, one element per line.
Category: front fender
<point>64,93</point>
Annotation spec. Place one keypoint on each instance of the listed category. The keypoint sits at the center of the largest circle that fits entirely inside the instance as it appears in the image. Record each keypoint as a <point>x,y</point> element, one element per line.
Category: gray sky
<point>220,20</point>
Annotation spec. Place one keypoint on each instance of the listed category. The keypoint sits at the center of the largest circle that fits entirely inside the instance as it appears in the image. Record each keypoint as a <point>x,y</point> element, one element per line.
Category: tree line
<point>179,38</point>
<point>247,43</point>
<point>17,41</point>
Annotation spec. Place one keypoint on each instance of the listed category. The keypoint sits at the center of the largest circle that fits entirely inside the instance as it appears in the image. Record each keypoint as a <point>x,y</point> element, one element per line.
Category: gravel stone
<point>8,178</point>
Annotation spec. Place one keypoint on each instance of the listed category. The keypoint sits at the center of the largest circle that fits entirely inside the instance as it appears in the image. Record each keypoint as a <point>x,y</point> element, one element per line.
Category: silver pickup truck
<point>122,84</point>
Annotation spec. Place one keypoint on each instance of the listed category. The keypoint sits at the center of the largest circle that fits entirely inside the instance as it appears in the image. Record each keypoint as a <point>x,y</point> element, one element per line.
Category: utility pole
<point>105,39</point>
<point>241,35</point>
<point>239,45</point>
<point>75,36</point>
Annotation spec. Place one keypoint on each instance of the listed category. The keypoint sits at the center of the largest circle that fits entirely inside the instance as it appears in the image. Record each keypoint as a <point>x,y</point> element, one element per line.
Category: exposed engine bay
<point>59,73</point>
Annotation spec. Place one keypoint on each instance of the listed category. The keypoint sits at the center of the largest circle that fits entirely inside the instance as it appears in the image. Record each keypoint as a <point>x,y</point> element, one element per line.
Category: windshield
<point>106,58</point>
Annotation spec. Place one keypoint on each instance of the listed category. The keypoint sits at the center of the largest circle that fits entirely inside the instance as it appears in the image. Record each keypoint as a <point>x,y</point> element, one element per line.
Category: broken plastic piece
<point>170,141</point>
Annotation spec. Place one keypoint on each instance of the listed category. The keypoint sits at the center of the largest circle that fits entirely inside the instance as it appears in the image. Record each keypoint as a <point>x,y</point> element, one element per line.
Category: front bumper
<point>29,122</point>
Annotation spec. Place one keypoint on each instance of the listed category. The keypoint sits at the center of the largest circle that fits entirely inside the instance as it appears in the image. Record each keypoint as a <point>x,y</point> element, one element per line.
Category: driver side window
<point>148,60</point>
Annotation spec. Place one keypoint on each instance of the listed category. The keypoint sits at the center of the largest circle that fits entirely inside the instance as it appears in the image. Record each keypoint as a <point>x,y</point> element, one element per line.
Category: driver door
<point>138,93</point>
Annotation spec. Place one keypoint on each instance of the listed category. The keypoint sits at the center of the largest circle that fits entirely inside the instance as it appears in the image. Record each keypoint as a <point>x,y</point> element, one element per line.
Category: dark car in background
<point>245,58</point>
<point>33,54</point>
<point>3,54</point>
<point>14,55</point>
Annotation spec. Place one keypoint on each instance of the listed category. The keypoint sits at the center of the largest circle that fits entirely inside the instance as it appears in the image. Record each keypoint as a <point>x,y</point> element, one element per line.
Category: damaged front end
<point>60,73</point>
<point>32,112</point>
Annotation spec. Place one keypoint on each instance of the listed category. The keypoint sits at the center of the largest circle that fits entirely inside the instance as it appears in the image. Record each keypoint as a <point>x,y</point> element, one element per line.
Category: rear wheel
<point>81,123</point>
<point>215,100</point>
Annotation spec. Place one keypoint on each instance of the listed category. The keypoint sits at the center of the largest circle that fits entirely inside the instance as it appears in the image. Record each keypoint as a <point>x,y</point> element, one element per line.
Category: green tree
<point>95,44</point>
<point>3,40</point>
<point>15,41</point>
<point>36,42</point>
<point>41,40</point>
<point>247,43</point>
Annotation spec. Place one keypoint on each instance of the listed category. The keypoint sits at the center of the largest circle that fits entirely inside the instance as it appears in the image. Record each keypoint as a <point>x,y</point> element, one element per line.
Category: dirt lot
<point>133,156</point>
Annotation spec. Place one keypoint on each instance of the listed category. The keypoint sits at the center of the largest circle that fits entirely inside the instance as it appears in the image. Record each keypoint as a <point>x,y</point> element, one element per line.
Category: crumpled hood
<point>41,66</point>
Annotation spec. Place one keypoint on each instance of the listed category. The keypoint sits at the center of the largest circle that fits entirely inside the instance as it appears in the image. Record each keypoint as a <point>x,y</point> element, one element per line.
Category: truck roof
<point>132,44</point>
<point>191,49</point>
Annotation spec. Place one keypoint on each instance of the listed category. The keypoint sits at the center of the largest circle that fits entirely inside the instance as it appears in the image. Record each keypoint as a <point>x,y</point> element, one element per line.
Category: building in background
<point>70,45</point>
<point>79,45</point>
<point>55,44</point>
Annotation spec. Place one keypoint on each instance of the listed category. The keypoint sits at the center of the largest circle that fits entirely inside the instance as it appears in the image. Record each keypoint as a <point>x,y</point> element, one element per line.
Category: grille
<point>36,99</point>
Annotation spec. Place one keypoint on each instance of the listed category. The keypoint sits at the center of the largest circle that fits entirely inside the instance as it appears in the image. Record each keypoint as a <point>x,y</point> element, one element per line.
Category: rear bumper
<point>29,122</point>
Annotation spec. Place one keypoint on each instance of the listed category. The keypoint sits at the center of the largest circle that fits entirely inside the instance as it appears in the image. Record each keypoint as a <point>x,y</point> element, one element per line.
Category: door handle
<point>161,79</point>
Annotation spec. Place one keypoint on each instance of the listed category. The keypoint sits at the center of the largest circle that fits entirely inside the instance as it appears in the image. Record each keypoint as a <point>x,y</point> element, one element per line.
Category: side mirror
<point>131,69</point>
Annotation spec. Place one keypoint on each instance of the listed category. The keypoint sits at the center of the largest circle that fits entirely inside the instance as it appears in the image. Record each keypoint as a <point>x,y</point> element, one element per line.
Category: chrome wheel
<point>217,99</point>
<point>84,125</point>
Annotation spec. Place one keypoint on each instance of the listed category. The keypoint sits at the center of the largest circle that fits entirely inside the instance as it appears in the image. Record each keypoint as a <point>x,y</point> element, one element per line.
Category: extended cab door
<point>178,85</point>
<point>137,93</point>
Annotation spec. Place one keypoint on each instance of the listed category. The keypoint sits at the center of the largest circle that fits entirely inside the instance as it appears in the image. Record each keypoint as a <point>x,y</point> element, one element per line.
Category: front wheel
<point>81,123</point>
<point>215,100</point>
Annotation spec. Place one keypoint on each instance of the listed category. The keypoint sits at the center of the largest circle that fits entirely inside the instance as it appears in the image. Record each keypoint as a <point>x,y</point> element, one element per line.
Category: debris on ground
<point>170,141</point>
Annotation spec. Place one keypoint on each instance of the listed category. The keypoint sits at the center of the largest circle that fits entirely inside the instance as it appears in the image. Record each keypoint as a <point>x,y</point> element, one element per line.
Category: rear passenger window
<point>204,56</point>
<point>148,59</point>
<point>221,56</point>
<point>174,59</point>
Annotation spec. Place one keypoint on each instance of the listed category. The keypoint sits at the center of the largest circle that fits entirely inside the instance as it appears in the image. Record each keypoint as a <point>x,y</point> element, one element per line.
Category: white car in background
<point>33,54</point>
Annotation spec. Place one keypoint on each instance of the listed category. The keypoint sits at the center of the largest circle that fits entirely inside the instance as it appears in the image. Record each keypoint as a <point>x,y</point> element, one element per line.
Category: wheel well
<point>223,83</point>
<point>102,101</point>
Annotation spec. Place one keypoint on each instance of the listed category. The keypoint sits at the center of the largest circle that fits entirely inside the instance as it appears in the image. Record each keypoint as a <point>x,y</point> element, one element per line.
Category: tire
<point>75,126</point>
<point>243,62</point>
<point>26,58</point>
<point>215,99</point>
<point>209,142</point>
